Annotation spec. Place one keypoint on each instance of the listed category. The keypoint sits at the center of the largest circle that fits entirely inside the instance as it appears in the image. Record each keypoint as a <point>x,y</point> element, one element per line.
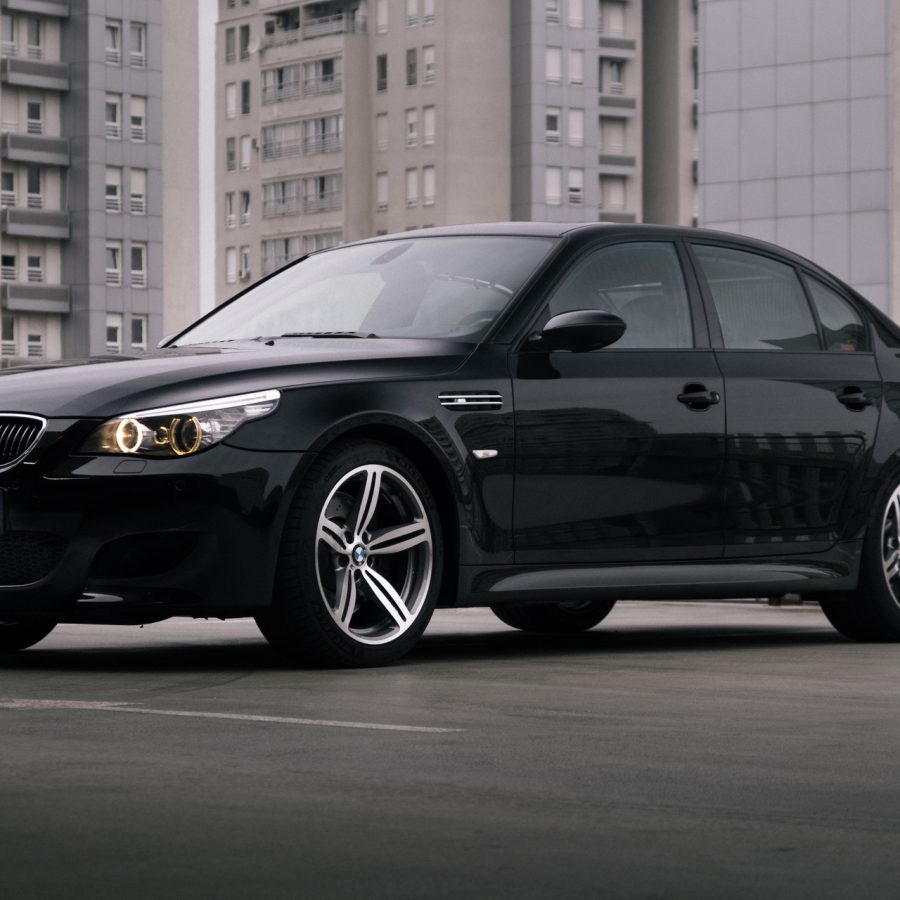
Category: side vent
<point>471,400</point>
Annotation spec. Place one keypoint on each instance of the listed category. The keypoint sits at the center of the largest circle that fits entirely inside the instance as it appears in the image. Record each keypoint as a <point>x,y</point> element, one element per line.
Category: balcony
<point>323,143</point>
<point>37,298</point>
<point>58,8</point>
<point>290,206</point>
<point>35,223</point>
<point>280,37</point>
<point>281,149</point>
<point>615,47</point>
<point>32,73</point>
<point>313,86</point>
<point>339,24</point>
<point>313,203</point>
<point>276,93</point>
<point>617,160</point>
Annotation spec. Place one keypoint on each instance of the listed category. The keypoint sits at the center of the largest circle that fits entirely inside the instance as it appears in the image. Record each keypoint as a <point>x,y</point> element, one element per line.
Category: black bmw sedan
<point>540,419</point>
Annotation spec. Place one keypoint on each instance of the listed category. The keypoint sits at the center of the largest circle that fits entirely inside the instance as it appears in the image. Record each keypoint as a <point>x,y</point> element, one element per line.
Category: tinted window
<point>842,326</point>
<point>760,302</point>
<point>641,282</point>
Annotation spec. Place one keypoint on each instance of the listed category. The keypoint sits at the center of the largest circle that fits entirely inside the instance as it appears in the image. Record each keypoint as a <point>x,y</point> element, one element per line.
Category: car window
<point>760,302</point>
<point>641,282</point>
<point>842,326</point>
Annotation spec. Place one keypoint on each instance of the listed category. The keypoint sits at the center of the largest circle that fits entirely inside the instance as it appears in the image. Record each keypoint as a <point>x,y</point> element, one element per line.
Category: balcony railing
<point>339,24</point>
<point>277,93</point>
<point>35,201</point>
<point>279,38</point>
<point>322,202</point>
<point>138,59</point>
<point>272,209</point>
<point>113,204</point>
<point>34,126</point>
<point>113,278</point>
<point>8,48</point>
<point>51,151</point>
<point>322,85</point>
<point>281,149</point>
<point>139,133</point>
<point>113,131</point>
<point>113,56</point>
<point>8,348</point>
<point>35,223</point>
<point>230,220</point>
<point>139,279</point>
<point>35,275</point>
<point>323,143</point>
<point>58,8</point>
<point>138,204</point>
<point>7,198</point>
<point>8,273</point>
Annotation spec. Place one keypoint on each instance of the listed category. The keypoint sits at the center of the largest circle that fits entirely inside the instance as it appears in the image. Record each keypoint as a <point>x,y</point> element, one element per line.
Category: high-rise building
<point>339,119</point>
<point>80,228</point>
<point>799,123</point>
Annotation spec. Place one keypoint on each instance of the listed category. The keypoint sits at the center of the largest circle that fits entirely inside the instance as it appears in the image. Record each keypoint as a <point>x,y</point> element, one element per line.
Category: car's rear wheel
<point>562,618</point>
<point>872,611</point>
<point>360,564</point>
<point>16,636</point>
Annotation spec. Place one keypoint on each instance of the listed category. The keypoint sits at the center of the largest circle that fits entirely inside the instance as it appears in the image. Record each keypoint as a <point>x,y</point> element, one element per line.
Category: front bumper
<point>112,539</point>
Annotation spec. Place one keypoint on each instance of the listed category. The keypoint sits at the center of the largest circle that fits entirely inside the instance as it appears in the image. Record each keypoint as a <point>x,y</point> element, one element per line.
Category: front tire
<point>872,611</point>
<point>15,636</point>
<point>360,565</point>
<point>549,618</point>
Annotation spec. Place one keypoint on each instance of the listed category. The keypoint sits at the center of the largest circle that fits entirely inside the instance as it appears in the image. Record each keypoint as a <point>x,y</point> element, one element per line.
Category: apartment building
<point>799,124</point>
<point>80,162</point>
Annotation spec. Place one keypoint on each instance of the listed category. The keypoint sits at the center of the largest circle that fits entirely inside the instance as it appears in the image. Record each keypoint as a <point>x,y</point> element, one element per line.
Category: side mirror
<point>582,330</point>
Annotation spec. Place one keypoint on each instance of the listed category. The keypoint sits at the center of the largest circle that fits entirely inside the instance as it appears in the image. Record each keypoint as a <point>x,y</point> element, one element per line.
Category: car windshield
<point>434,287</point>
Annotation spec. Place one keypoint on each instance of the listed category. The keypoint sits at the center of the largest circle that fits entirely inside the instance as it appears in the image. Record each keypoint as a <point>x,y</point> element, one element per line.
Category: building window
<point>551,8</point>
<point>381,16</point>
<point>139,265</point>
<point>245,98</point>
<point>230,54</point>
<point>428,185</point>
<point>35,346</point>
<point>245,151</point>
<point>612,192</point>
<point>245,208</point>
<point>576,13</point>
<point>8,188</point>
<point>244,272</point>
<point>323,135</point>
<point>412,127</point>
<point>553,179</point>
<point>281,198</point>
<point>612,135</point>
<point>412,187</point>
<point>429,125</point>
<point>313,242</point>
<point>323,76</point>
<point>113,116</point>
<point>576,67</point>
<point>8,268</point>
<point>381,72</point>
<point>551,126</point>
<point>138,119</point>
<point>576,128</point>
<point>412,13</point>
<point>612,76</point>
<point>281,84</point>
<point>381,191</point>
<point>113,43</point>
<point>412,71</point>
<point>137,200</point>
<point>8,34</point>
<point>138,49</point>
<point>281,141</point>
<point>35,48</point>
<point>612,17</point>
<point>428,64</point>
<point>278,251</point>
<point>428,12</point>
<point>576,186</point>
<point>113,263</point>
<point>322,192</point>
<point>553,63</point>
<point>34,181</point>
<point>138,332</point>
<point>114,332</point>
<point>230,217</point>
<point>34,117</point>
<point>245,41</point>
<point>113,189</point>
<point>8,336</point>
<point>231,265</point>
<point>230,100</point>
<point>35,269</point>
<point>230,154</point>
<point>381,131</point>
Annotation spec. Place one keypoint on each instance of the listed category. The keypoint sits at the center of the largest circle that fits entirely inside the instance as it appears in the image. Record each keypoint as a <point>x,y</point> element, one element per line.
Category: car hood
<point>110,385</point>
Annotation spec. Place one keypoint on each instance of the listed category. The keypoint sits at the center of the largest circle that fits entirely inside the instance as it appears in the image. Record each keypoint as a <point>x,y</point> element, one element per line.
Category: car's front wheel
<point>15,636</point>
<point>872,611</point>
<point>562,618</point>
<point>360,563</point>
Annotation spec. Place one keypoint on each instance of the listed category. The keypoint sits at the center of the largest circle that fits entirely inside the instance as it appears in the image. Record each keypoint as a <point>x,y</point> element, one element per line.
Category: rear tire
<point>360,566</point>
<point>15,636</point>
<point>549,618</point>
<point>872,611</point>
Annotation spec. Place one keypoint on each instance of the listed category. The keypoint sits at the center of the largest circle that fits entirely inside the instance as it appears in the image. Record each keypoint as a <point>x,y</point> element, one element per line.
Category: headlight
<point>179,430</point>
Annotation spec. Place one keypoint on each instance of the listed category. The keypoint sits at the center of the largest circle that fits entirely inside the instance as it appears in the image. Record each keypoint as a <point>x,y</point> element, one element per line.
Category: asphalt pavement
<point>677,750</point>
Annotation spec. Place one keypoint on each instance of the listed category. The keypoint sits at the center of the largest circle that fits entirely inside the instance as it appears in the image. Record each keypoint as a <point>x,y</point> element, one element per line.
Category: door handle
<point>854,398</point>
<point>696,396</point>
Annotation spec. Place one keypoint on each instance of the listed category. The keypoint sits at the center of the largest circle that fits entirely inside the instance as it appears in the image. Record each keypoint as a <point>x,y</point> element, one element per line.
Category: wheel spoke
<point>400,538</point>
<point>383,591</point>
<point>331,534</point>
<point>892,564</point>
<point>368,500</point>
<point>346,596</point>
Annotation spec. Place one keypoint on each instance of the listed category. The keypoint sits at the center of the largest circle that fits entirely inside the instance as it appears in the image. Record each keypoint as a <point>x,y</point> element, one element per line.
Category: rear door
<point>803,399</point>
